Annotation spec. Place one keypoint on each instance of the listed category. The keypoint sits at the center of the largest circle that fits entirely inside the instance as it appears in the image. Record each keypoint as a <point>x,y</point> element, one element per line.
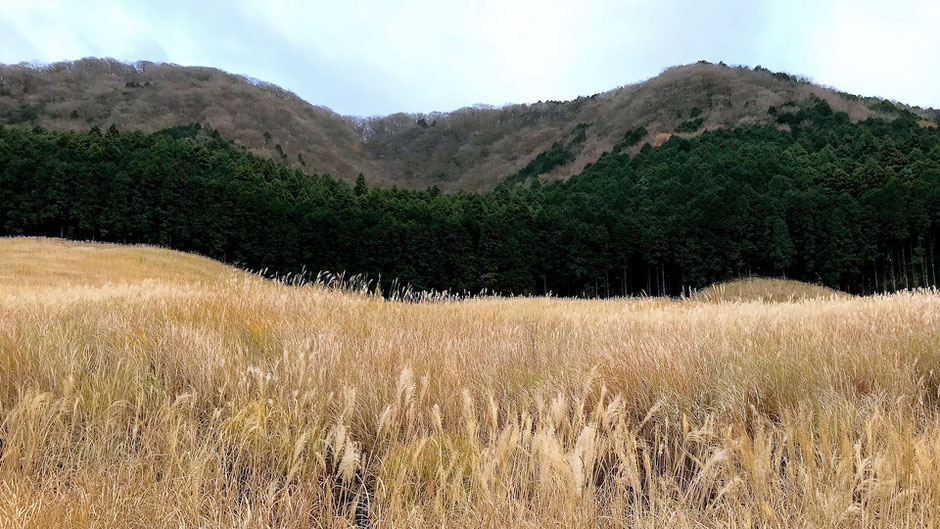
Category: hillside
<point>814,197</point>
<point>167,390</point>
<point>471,148</point>
<point>150,97</point>
<point>37,263</point>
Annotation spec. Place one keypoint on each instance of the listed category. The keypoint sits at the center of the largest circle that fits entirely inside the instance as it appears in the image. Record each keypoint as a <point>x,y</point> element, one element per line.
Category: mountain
<point>472,148</point>
<point>147,96</point>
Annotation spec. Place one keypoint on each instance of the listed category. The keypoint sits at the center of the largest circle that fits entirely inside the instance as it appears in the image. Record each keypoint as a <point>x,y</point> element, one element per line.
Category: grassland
<point>145,388</point>
<point>765,290</point>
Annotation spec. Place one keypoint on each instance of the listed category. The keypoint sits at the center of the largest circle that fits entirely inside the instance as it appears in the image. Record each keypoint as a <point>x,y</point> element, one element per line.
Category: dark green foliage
<point>360,188</point>
<point>691,125</point>
<point>891,109</point>
<point>20,114</point>
<point>817,114</point>
<point>544,162</point>
<point>579,135</point>
<point>884,106</point>
<point>182,131</point>
<point>198,134</point>
<point>855,206</point>
<point>630,138</point>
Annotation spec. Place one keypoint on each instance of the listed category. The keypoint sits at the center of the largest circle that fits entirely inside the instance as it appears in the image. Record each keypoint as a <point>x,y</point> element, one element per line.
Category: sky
<point>372,58</point>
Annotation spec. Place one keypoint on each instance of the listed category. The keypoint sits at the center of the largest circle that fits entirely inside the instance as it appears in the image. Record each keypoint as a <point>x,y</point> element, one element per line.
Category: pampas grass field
<point>141,387</point>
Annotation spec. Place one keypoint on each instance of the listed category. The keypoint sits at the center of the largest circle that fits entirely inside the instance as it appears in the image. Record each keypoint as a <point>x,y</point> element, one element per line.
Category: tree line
<point>814,197</point>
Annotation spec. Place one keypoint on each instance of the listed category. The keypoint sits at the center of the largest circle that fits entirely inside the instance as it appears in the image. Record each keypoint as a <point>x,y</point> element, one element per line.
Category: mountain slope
<point>471,148</point>
<point>849,205</point>
<point>151,97</point>
<point>475,145</point>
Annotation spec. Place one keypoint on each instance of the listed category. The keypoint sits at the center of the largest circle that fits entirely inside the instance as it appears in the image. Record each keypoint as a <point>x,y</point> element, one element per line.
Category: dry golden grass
<point>145,388</point>
<point>765,290</point>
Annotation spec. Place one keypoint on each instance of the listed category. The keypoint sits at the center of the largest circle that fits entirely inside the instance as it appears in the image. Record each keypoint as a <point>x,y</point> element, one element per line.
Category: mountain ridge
<point>473,148</point>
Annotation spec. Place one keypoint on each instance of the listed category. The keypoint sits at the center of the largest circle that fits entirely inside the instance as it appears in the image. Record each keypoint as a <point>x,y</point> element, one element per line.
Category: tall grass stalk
<point>145,388</point>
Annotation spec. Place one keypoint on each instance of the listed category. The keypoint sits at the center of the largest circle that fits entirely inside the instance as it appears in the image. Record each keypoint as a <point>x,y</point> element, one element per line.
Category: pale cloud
<point>885,49</point>
<point>423,55</point>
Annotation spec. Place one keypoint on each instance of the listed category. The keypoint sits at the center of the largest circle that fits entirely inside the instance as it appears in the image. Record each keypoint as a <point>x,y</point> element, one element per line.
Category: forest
<point>814,197</point>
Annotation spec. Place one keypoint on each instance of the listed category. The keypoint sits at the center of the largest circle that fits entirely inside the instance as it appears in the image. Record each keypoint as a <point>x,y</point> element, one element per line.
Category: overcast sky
<point>367,58</point>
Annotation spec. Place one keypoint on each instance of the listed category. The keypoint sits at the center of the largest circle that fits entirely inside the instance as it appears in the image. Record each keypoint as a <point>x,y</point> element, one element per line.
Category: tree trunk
<point>894,279</point>
<point>933,262</point>
<point>907,286</point>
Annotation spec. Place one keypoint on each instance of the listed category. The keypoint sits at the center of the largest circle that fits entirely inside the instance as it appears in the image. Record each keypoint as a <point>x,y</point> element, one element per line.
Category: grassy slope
<point>59,263</point>
<point>140,386</point>
<point>764,290</point>
<point>471,148</point>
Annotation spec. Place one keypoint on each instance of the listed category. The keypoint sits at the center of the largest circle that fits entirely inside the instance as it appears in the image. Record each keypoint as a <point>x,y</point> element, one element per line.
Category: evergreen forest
<point>813,196</point>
